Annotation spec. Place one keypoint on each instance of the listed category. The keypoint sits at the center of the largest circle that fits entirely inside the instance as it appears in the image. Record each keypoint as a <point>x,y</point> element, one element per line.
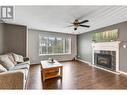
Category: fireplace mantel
<point>107,46</point>
<point>111,46</point>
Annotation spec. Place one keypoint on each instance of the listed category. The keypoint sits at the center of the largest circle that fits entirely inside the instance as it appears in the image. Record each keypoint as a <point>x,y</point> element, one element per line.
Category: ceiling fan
<point>78,23</point>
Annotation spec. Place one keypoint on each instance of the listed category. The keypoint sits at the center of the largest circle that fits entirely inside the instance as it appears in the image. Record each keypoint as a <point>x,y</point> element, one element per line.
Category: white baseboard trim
<point>87,62</point>
<point>123,72</point>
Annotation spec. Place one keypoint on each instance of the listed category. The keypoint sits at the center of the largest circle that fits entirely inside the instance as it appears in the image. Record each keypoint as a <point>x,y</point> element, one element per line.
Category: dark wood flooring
<point>78,75</point>
<point>34,80</point>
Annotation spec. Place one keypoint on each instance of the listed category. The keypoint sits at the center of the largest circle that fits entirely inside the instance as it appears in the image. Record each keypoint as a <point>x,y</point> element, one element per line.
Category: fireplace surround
<point>105,55</point>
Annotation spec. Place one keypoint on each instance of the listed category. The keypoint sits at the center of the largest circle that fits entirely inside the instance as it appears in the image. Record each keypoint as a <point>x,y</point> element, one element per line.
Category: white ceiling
<point>56,18</point>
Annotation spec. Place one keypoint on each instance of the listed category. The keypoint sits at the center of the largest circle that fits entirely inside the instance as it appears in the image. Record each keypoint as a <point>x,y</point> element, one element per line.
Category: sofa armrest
<point>12,80</point>
<point>26,58</point>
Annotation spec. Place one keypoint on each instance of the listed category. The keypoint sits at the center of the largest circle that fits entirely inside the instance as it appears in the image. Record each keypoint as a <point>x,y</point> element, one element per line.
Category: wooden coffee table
<point>51,70</point>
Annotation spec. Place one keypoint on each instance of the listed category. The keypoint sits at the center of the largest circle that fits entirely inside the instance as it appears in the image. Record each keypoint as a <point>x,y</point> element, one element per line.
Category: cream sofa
<point>14,71</point>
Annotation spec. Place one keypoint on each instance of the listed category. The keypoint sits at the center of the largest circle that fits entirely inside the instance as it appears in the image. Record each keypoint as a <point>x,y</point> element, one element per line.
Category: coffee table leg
<point>61,71</point>
<point>43,75</point>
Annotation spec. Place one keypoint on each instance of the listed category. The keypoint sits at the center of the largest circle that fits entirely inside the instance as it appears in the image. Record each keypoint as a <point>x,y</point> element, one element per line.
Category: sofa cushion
<point>2,69</point>
<point>18,58</point>
<point>20,66</point>
<point>23,63</point>
<point>6,62</point>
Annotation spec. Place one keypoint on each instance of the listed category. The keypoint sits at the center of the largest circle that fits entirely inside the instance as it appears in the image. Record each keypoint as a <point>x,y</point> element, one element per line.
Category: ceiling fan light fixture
<point>76,24</point>
<point>75,28</point>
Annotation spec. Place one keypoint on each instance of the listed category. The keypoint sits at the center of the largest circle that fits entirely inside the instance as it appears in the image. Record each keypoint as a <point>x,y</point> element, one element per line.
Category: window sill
<point>54,54</point>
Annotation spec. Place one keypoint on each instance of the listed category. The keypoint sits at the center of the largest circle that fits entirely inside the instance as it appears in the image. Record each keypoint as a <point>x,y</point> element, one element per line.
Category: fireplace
<point>105,59</point>
<point>105,55</point>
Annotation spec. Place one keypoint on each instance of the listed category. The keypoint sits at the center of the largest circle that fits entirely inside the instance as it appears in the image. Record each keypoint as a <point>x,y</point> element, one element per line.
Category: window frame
<point>70,44</point>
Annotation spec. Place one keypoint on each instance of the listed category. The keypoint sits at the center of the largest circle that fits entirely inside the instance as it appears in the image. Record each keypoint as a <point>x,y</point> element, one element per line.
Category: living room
<point>53,47</point>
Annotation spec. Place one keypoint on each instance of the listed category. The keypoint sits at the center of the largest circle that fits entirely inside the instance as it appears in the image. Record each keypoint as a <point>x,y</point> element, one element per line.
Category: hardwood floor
<point>78,75</point>
<point>34,80</point>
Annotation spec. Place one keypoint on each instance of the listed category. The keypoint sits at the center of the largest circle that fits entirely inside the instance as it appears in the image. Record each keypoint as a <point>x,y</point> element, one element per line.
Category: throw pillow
<point>6,62</point>
<point>11,57</point>
<point>2,69</point>
<point>18,58</point>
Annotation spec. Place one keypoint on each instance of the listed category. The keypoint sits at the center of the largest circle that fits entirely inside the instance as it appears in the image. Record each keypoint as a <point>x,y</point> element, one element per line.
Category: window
<point>54,45</point>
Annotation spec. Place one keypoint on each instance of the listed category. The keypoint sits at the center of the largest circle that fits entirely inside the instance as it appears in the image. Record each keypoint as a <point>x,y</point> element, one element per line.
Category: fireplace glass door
<point>104,60</point>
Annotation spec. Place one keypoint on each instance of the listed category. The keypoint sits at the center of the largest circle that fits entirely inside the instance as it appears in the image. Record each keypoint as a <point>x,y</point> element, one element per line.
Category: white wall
<point>33,46</point>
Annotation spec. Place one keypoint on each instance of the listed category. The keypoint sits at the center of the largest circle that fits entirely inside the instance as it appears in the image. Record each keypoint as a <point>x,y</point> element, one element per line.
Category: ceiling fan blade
<point>85,26</point>
<point>70,25</point>
<point>83,21</point>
